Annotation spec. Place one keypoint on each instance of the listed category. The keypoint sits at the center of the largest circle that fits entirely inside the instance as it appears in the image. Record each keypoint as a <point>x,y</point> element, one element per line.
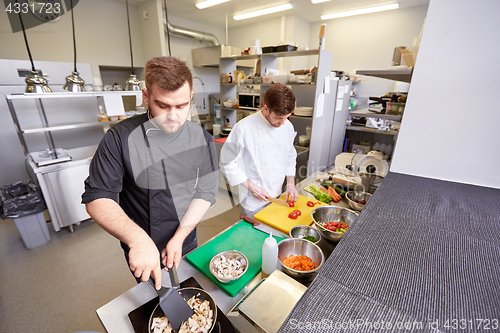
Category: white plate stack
<point>304,111</point>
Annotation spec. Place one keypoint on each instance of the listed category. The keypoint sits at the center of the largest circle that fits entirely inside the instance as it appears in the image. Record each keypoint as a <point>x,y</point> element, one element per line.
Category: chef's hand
<point>291,193</point>
<point>257,191</point>
<point>144,260</point>
<point>172,253</point>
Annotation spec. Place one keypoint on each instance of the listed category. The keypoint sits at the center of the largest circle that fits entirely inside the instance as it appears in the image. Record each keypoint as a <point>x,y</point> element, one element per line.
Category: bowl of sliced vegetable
<point>305,232</point>
<point>333,221</point>
<point>357,199</point>
<point>300,258</point>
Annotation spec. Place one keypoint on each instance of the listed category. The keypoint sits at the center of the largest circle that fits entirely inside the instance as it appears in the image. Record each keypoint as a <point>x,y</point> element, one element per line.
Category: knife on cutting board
<point>279,202</point>
<point>262,227</point>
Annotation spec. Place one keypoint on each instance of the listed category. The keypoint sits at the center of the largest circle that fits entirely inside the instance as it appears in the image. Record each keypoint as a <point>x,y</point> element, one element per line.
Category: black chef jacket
<point>154,175</point>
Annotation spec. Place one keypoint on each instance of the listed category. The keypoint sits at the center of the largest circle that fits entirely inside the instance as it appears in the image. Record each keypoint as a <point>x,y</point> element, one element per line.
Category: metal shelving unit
<point>324,143</point>
<point>60,172</point>
<point>403,75</point>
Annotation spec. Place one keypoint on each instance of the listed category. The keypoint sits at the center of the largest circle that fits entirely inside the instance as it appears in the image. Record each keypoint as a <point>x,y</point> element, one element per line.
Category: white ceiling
<point>216,15</point>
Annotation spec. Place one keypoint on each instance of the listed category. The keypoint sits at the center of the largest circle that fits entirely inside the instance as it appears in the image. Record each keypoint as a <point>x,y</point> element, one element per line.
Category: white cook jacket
<point>257,151</point>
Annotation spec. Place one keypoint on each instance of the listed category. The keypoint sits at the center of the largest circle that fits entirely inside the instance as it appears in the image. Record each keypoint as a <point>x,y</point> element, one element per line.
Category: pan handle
<point>174,279</point>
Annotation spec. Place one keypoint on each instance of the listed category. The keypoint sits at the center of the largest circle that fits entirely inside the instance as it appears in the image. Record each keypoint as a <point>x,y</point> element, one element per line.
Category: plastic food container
<point>286,48</point>
<point>395,108</point>
<point>280,78</point>
<point>269,49</point>
<point>268,79</point>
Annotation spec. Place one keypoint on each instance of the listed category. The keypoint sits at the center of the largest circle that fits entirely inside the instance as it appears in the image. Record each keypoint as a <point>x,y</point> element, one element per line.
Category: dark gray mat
<point>422,251</point>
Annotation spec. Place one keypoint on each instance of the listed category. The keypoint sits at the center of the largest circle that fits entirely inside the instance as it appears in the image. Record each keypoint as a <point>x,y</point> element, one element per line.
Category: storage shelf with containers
<point>363,133</point>
<point>319,94</point>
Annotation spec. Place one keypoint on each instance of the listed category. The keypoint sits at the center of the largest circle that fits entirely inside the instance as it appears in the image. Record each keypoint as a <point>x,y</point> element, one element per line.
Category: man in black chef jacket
<point>154,176</point>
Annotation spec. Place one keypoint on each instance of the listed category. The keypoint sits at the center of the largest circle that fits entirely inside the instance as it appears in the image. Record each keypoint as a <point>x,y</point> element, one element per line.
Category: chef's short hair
<point>280,99</point>
<point>168,73</point>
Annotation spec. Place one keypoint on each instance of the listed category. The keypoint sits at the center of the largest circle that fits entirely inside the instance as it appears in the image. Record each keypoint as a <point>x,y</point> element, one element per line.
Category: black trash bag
<point>21,199</point>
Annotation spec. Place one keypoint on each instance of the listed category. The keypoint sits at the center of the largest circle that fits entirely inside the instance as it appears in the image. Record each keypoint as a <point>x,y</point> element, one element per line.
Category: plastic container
<point>395,108</point>
<point>23,203</point>
<point>286,48</point>
<point>280,78</point>
<point>217,113</point>
<point>269,49</point>
<point>33,230</point>
<point>269,255</point>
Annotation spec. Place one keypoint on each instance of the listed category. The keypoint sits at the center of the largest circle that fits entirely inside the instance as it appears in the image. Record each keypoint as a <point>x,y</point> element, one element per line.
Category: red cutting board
<point>277,216</point>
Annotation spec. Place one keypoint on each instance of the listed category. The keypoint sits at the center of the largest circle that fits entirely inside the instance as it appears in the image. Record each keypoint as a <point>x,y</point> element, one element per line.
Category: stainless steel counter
<point>114,315</point>
<point>62,186</point>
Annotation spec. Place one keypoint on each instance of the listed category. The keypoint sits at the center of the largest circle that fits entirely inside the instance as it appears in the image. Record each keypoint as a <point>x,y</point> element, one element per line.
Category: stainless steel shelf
<point>370,130</point>
<point>275,54</point>
<point>368,114</point>
<point>403,75</point>
<point>70,94</point>
<point>63,127</point>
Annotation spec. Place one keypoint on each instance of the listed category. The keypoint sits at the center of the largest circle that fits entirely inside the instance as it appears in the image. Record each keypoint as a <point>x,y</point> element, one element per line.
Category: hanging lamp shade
<point>35,83</point>
<point>74,82</point>
<point>132,83</point>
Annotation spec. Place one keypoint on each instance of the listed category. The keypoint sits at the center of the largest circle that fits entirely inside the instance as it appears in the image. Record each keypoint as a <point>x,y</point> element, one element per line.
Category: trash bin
<point>24,204</point>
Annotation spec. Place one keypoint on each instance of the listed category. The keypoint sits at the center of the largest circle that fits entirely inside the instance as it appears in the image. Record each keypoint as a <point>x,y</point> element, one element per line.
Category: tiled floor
<point>57,286</point>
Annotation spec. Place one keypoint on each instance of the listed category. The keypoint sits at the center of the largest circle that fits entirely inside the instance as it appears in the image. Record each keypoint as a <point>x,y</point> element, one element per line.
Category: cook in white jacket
<point>259,152</point>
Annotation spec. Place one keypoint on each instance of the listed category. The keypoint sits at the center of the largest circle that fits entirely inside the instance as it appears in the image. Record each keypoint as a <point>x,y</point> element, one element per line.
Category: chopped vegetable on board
<point>318,194</point>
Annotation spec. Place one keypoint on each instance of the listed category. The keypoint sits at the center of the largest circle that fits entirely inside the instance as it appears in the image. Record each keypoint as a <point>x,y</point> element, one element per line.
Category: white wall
<point>101,37</point>
<point>267,32</point>
<point>450,128</point>
<point>368,42</point>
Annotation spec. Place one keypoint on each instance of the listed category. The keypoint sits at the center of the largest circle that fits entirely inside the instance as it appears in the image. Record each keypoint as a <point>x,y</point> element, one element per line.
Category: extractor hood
<point>209,56</point>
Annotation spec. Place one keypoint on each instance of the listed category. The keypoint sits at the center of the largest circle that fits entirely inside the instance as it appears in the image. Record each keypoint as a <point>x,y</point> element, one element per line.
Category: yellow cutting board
<point>277,216</point>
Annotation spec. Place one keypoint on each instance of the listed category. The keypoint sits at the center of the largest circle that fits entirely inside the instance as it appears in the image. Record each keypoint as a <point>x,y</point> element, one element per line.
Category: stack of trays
<point>304,111</point>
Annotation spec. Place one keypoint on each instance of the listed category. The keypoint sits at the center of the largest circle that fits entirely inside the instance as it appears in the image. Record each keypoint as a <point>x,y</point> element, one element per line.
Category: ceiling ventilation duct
<point>205,56</point>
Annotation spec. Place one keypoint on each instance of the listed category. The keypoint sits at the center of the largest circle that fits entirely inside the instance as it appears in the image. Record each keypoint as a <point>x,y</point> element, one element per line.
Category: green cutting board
<point>241,237</point>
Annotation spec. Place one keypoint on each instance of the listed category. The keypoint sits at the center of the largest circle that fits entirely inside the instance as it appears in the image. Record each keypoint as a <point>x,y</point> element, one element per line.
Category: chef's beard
<point>169,126</point>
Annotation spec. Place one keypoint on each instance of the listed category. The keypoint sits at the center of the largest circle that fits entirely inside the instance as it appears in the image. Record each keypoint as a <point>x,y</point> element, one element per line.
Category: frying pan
<point>187,293</point>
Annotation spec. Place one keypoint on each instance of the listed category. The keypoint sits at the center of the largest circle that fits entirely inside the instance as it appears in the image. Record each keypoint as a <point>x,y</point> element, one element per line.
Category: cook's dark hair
<point>280,99</point>
<point>168,73</point>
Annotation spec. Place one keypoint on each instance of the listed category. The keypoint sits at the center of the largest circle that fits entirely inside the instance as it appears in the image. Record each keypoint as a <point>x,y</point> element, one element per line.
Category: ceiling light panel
<point>264,11</point>
<point>360,11</point>
<point>209,3</point>
<point>319,1</point>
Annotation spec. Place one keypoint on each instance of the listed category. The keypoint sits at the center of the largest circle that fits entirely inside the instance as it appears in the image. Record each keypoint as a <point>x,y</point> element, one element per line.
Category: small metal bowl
<point>228,255</point>
<point>300,247</point>
<point>324,214</point>
<point>300,231</point>
<point>357,195</point>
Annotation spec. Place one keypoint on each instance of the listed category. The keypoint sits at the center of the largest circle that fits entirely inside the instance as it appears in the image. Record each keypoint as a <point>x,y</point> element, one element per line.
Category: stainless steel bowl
<point>300,247</point>
<point>324,214</point>
<point>300,231</point>
<point>357,195</point>
<point>228,255</point>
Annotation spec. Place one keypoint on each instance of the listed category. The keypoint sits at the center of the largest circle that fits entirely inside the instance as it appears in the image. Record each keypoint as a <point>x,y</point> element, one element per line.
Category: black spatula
<point>172,303</point>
